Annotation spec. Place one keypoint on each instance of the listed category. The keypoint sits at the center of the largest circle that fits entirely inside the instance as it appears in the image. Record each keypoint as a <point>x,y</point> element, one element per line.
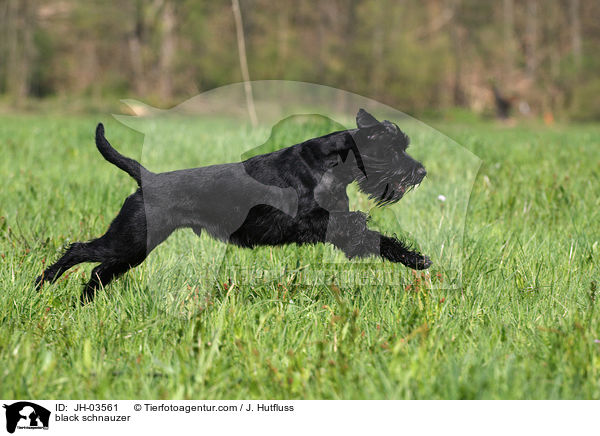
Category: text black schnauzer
<point>294,195</point>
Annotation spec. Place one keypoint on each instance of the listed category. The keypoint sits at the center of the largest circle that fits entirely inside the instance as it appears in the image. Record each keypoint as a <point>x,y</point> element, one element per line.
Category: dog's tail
<point>130,166</point>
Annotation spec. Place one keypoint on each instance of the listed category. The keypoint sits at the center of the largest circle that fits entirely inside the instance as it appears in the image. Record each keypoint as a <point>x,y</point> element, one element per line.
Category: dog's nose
<point>421,172</point>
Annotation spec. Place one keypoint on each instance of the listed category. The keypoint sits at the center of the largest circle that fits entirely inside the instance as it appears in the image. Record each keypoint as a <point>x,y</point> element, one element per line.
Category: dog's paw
<point>417,261</point>
<point>39,281</point>
<point>423,263</point>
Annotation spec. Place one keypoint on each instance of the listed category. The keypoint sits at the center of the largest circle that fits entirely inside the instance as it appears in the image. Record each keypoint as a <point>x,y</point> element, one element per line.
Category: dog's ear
<point>364,119</point>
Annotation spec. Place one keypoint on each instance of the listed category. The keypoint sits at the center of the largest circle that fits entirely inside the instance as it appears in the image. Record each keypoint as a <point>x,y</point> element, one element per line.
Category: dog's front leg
<point>394,250</point>
<point>348,231</point>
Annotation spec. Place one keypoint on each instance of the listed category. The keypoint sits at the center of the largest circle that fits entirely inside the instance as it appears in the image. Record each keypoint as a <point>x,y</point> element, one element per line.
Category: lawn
<point>198,321</point>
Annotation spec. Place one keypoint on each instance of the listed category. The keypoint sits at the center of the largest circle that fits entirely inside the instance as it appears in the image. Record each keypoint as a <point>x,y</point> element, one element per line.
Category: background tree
<point>419,56</point>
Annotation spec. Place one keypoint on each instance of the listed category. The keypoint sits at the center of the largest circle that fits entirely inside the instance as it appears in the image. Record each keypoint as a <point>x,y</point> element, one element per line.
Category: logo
<point>26,415</point>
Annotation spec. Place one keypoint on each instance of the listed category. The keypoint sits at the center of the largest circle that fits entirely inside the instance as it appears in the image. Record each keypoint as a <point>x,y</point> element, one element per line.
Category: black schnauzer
<point>294,195</point>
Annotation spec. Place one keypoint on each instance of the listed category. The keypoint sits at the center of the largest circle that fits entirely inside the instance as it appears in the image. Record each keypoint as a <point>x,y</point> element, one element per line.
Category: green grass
<point>301,322</point>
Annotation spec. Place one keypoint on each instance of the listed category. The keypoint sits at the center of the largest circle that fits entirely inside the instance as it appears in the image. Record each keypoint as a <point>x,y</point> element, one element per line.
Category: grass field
<point>524,323</point>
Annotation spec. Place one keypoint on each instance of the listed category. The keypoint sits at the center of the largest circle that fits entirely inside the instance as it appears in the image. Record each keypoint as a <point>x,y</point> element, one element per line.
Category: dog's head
<point>384,170</point>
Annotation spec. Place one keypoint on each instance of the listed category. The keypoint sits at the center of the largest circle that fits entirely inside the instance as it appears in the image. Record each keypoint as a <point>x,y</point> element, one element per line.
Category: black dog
<point>294,195</point>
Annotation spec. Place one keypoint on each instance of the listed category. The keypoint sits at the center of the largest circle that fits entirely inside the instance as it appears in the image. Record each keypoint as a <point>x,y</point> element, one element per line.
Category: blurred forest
<point>419,56</point>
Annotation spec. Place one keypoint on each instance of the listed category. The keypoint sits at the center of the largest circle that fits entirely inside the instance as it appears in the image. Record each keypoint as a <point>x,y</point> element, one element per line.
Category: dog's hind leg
<point>123,246</point>
<point>77,253</point>
<point>102,275</point>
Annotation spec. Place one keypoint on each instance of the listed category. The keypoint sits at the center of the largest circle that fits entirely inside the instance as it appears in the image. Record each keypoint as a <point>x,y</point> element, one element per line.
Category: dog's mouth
<point>403,186</point>
<point>393,192</point>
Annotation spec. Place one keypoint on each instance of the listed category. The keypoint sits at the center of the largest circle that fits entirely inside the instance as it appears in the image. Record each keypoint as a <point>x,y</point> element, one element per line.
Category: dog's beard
<point>384,185</point>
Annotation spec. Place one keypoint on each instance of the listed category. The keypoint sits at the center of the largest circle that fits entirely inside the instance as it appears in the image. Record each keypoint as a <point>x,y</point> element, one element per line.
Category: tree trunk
<point>378,65</point>
<point>574,10</point>
<point>456,38</point>
<point>283,36</point>
<point>135,44</point>
<point>531,37</point>
<point>239,27</point>
<point>3,43</point>
<point>509,34</point>
<point>167,51</point>
<point>20,49</point>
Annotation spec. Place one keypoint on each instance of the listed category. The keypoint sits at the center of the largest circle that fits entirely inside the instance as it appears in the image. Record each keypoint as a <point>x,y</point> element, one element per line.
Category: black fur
<point>294,195</point>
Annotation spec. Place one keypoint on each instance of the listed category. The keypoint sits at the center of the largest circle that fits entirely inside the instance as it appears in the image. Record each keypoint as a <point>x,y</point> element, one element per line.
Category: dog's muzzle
<point>414,179</point>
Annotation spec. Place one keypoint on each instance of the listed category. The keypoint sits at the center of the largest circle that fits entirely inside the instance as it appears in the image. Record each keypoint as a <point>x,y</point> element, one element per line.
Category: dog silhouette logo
<point>26,415</point>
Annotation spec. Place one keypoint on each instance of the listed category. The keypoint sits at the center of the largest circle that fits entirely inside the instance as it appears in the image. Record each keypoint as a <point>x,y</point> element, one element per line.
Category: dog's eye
<point>399,145</point>
<point>403,141</point>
